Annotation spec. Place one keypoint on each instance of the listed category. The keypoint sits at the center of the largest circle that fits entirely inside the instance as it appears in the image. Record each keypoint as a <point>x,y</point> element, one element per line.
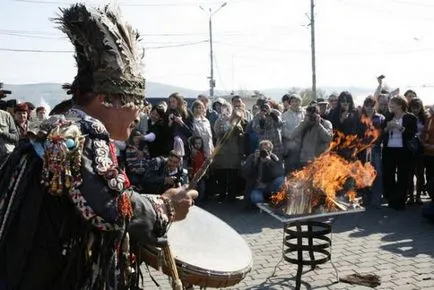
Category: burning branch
<point>330,181</point>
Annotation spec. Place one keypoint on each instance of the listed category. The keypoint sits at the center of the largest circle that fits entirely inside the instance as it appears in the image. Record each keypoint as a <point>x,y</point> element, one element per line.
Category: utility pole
<point>312,43</point>
<point>211,52</point>
<point>211,61</point>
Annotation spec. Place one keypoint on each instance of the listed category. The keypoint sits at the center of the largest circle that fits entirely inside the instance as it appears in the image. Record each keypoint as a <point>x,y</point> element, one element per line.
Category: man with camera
<point>312,136</point>
<point>164,173</point>
<point>8,131</point>
<point>268,124</point>
<point>263,172</point>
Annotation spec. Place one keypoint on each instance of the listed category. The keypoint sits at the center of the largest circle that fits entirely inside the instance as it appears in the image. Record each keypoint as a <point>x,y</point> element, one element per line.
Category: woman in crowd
<point>373,121</point>
<point>417,163</point>
<point>345,119</point>
<point>179,122</point>
<point>157,126</point>
<point>400,129</point>
<point>427,140</point>
<point>227,162</point>
<point>201,127</point>
<point>291,118</point>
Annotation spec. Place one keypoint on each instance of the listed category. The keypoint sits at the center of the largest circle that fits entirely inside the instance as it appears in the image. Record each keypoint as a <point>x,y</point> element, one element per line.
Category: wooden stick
<point>207,163</point>
<point>170,261</point>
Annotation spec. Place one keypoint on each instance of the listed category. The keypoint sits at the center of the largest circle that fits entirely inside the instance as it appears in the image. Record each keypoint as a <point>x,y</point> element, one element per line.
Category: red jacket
<point>197,160</point>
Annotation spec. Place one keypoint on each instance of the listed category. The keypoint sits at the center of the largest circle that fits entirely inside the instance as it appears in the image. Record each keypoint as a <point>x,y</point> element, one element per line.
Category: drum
<point>207,251</point>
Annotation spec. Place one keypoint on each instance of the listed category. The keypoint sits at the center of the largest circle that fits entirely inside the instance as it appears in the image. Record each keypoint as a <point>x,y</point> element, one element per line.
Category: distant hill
<point>53,93</point>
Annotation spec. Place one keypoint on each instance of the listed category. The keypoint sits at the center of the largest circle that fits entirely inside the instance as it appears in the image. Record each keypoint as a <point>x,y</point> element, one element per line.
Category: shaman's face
<point>118,118</point>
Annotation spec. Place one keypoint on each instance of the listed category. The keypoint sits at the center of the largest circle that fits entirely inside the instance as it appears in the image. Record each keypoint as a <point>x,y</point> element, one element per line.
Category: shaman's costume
<point>67,212</point>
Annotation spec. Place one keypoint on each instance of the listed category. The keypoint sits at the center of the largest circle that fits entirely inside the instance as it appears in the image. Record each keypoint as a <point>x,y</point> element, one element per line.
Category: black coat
<point>409,122</point>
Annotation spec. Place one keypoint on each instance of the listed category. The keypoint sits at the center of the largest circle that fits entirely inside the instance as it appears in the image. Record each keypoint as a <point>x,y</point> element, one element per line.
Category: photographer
<point>267,124</point>
<point>312,136</point>
<point>263,172</point>
<point>164,173</point>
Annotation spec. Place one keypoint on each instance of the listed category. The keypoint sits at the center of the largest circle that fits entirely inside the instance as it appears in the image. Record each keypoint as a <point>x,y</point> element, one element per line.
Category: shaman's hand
<point>181,199</point>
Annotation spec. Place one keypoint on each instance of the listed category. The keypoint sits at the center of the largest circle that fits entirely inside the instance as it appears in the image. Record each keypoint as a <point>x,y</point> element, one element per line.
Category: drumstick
<point>206,164</point>
<point>170,261</point>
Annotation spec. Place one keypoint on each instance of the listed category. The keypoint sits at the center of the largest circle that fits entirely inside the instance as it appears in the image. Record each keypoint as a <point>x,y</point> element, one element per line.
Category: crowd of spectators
<point>170,142</point>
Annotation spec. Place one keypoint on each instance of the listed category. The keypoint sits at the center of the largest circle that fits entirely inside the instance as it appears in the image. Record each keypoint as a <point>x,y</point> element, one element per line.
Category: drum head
<point>204,241</point>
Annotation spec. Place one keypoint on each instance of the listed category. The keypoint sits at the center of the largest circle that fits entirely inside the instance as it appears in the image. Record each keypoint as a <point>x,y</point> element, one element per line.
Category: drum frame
<point>191,275</point>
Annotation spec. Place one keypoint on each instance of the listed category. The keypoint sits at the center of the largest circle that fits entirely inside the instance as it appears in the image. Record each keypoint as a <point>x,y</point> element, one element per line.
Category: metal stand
<point>300,228</point>
<point>295,249</point>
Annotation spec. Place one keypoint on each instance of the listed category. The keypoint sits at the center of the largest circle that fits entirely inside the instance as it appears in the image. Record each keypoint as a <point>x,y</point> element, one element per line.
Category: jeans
<point>257,195</point>
<point>377,186</point>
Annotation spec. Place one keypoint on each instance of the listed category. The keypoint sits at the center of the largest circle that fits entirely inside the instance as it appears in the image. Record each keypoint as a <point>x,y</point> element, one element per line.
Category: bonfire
<point>330,182</point>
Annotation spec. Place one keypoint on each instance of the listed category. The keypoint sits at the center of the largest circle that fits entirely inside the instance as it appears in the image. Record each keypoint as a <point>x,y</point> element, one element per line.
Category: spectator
<point>291,118</point>
<point>41,114</point>
<point>10,106</point>
<point>400,128</point>
<point>179,122</point>
<point>9,135</point>
<point>157,127</point>
<point>323,107</point>
<point>164,173</point>
<point>373,154</point>
<point>427,140</point>
<point>197,158</point>
<point>21,120</point>
<point>417,162</point>
<point>255,110</point>
<point>263,172</point>
<point>410,95</point>
<point>210,113</point>
<point>136,156</point>
<point>227,162</point>
<point>142,125</point>
<point>237,102</point>
<point>333,102</point>
<point>267,124</point>
<point>345,118</point>
<point>201,127</point>
<point>217,105</point>
<point>312,136</point>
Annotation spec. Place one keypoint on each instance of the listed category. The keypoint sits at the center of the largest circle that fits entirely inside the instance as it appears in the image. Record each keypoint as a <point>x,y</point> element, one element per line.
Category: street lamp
<point>211,57</point>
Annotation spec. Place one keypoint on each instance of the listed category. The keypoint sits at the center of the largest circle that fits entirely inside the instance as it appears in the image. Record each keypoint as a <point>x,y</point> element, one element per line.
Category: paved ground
<point>396,245</point>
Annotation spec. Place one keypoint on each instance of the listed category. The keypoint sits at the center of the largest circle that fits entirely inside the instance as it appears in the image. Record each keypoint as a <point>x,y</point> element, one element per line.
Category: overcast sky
<point>258,43</point>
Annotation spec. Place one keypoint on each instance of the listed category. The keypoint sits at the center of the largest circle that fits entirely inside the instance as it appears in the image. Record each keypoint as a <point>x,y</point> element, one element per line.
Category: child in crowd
<point>197,158</point>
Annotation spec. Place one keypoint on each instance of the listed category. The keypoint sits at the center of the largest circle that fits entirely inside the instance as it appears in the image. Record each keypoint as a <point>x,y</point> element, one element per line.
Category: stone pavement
<point>396,245</point>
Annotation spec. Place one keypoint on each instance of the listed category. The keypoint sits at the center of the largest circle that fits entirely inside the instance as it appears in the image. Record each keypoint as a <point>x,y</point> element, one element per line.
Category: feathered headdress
<point>107,52</point>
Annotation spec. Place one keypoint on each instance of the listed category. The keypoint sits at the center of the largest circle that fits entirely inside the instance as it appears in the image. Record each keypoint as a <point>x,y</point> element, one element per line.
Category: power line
<point>167,4</point>
<point>70,51</point>
<point>35,50</point>
<point>32,36</point>
<point>177,45</point>
<point>412,3</point>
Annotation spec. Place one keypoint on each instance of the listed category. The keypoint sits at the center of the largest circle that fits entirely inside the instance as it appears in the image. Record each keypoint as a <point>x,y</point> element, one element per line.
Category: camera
<point>263,153</point>
<point>3,93</point>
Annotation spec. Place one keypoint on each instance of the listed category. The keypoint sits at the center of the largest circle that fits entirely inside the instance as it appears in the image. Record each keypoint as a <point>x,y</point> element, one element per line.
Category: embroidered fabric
<point>56,160</point>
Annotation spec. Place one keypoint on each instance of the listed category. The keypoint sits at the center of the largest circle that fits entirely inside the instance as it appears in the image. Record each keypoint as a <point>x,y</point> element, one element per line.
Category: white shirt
<point>395,137</point>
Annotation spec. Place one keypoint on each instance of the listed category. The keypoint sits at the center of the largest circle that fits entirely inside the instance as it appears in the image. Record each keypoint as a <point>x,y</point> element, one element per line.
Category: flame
<point>330,180</point>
